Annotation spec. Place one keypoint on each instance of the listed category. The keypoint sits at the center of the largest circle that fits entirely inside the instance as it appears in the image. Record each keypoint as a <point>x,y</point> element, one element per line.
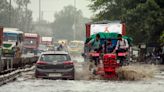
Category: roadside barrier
<point>9,77</point>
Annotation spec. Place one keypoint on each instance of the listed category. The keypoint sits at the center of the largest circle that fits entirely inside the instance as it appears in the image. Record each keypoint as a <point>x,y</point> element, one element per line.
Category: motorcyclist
<point>60,47</point>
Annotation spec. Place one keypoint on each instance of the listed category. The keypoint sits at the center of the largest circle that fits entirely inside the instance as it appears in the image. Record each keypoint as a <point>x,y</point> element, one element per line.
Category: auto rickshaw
<point>103,63</point>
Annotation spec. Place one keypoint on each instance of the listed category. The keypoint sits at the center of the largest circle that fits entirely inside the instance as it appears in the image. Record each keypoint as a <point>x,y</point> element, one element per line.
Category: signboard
<point>30,35</point>
<point>108,28</point>
<point>47,39</point>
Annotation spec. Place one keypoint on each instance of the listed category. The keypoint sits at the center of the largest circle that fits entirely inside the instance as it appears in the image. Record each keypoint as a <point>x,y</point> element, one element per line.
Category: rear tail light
<point>41,63</point>
<point>68,63</point>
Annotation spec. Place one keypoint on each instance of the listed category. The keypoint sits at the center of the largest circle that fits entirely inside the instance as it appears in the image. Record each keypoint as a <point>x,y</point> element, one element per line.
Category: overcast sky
<point>49,7</point>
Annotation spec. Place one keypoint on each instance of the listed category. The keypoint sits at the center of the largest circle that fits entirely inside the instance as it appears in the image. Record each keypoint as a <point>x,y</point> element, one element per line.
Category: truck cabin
<point>31,39</point>
<point>12,37</point>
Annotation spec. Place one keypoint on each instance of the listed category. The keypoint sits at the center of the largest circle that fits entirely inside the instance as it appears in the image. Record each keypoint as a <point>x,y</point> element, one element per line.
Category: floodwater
<point>27,83</point>
<point>34,85</point>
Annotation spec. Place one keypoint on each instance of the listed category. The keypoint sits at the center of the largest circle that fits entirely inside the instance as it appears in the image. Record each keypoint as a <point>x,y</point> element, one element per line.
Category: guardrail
<point>9,64</point>
<point>6,78</point>
<point>10,67</point>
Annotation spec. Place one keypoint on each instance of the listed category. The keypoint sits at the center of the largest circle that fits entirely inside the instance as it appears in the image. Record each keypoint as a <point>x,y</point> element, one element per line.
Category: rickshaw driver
<point>95,43</point>
<point>96,47</point>
<point>122,44</point>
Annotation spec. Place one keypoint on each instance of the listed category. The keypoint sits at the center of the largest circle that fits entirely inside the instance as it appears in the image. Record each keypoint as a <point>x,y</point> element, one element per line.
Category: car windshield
<point>10,38</point>
<point>55,57</point>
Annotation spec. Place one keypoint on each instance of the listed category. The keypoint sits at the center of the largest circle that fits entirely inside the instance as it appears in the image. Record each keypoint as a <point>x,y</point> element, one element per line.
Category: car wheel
<point>72,79</point>
<point>73,76</point>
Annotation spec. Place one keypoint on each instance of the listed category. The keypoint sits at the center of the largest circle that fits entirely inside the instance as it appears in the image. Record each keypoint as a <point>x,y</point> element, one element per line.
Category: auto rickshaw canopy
<point>112,36</point>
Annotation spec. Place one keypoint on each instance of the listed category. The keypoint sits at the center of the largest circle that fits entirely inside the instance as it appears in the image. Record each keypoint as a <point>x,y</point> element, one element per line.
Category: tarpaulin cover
<point>111,36</point>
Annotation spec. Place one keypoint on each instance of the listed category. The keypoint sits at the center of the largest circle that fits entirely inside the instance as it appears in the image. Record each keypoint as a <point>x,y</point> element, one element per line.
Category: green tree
<point>162,37</point>
<point>66,21</point>
<point>144,18</point>
<point>4,13</point>
<point>18,17</point>
<point>23,18</point>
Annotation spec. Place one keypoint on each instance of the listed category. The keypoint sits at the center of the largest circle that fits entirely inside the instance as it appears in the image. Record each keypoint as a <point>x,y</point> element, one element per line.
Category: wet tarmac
<point>27,83</point>
<point>41,85</point>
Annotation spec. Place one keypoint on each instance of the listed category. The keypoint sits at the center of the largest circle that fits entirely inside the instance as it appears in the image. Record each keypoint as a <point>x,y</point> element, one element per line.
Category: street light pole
<point>75,20</point>
<point>10,14</point>
<point>39,10</point>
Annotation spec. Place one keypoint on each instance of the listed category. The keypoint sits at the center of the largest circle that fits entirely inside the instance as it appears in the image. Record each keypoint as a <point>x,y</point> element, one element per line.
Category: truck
<point>105,27</point>
<point>46,40</point>
<point>1,42</point>
<point>12,42</point>
<point>1,39</point>
<point>45,44</point>
<point>31,42</point>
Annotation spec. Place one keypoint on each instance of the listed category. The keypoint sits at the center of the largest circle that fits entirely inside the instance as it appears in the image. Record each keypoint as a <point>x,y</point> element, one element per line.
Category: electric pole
<point>39,10</point>
<point>10,14</point>
<point>74,36</point>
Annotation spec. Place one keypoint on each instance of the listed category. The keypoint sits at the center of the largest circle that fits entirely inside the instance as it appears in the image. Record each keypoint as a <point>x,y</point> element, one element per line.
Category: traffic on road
<point>81,46</point>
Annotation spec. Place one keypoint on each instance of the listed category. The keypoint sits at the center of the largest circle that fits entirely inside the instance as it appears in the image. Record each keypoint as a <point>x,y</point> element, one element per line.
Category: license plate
<point>55,75</point>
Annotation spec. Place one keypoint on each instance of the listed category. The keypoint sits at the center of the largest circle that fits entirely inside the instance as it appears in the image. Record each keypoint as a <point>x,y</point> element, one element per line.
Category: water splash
<point>136,72</point>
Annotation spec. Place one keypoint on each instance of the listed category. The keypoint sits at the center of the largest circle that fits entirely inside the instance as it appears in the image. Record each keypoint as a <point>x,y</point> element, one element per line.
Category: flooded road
<point>34,85</point>
<point>27,83</point>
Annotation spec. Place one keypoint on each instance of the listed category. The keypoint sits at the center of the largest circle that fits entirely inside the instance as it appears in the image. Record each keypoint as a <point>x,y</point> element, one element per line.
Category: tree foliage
<point>144,18</point>
<point>18,16</point>
<point>66,21</point>
<point>162,38</point>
